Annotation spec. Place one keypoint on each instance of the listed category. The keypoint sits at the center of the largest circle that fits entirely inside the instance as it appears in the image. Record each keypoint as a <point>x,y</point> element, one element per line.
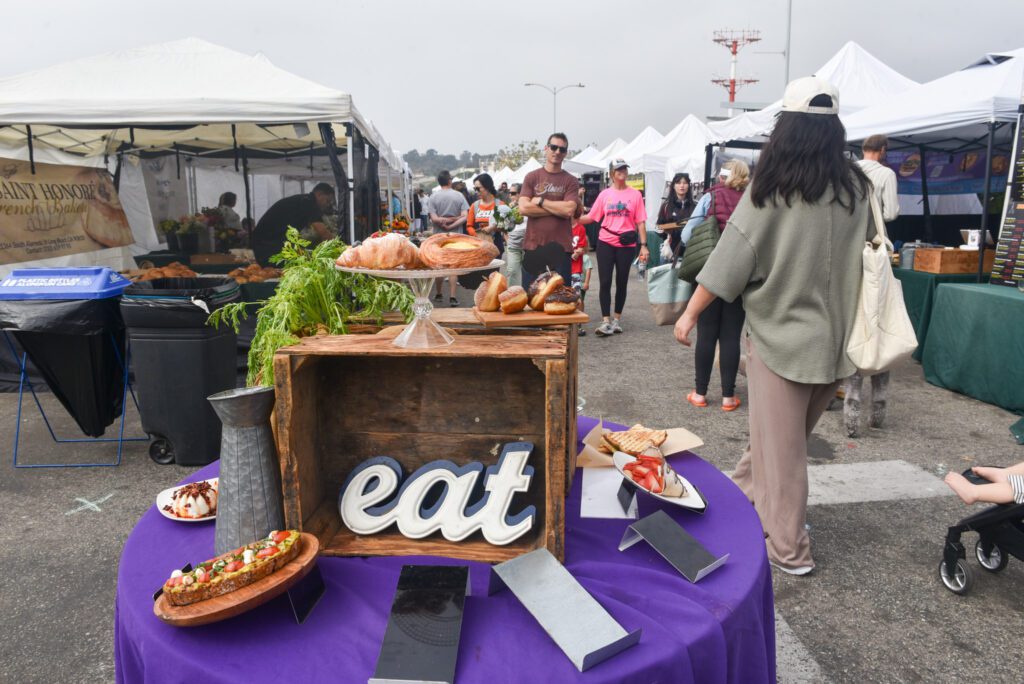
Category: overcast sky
<point>450,75</point>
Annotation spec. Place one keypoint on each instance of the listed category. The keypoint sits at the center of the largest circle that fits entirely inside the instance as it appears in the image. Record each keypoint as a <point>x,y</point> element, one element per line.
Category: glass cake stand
<point>423,332</point>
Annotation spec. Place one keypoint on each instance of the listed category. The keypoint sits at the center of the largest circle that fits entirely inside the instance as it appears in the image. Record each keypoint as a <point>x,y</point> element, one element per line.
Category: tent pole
<point>985,199</point>
<point>31,151</point>
<point>708,156</point>
<point>245,179</point>
<point>340,177</point>
<point>391,214</point>
<point>925,203</point>
<point>234,148</point>
<point>351,188</point>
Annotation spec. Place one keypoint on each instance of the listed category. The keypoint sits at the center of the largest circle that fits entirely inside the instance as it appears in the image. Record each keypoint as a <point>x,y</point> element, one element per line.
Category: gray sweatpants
<point>773,469</point>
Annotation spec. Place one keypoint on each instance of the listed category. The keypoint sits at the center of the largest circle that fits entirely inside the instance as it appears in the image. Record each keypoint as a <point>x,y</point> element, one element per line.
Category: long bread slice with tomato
<point>233,570</point>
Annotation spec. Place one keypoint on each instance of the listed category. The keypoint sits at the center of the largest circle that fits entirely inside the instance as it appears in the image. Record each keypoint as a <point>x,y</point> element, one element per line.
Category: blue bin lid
<point>90,282</point>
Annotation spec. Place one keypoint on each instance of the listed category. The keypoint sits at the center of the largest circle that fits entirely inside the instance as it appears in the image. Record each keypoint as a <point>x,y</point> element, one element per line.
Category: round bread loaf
<point>513,300</point>
<point>486,296</point>
<point>454,250</point>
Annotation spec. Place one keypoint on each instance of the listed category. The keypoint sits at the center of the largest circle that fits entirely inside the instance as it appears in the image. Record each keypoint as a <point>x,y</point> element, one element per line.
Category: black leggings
<point>619,259</point>
<point>721,322</point>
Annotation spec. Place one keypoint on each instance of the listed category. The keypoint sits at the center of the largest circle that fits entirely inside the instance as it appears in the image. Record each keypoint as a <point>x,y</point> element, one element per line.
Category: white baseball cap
<point>618,164</point>
<point>800,92</point>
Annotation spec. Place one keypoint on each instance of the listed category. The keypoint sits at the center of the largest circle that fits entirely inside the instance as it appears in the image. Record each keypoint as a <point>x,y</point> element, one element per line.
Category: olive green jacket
<point>799,270</point>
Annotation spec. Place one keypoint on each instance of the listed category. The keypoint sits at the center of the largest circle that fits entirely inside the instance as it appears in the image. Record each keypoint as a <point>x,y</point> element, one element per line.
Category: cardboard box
<point>938,260</point>
<point>344,399</point>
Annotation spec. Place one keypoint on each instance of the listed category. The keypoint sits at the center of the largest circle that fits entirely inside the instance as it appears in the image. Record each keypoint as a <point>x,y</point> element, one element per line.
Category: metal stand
<point>120,439</point>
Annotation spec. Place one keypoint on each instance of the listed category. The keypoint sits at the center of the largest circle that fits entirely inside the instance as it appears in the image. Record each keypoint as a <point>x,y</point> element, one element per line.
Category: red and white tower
<point>733,41</point>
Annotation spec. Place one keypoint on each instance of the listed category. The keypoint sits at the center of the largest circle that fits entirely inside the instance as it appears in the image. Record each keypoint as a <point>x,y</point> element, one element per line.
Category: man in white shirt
<point>883,180</point>
<point>882,177</point>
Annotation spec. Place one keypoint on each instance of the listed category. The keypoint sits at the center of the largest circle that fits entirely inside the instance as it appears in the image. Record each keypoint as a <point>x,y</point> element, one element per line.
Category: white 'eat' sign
<point>375,480</point>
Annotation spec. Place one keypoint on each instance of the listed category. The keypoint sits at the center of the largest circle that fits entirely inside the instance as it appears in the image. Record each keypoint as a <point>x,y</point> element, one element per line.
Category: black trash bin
<point>178,361</point>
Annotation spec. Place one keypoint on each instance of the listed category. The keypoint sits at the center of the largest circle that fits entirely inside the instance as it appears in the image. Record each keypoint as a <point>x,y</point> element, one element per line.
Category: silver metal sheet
<point>580,626</point>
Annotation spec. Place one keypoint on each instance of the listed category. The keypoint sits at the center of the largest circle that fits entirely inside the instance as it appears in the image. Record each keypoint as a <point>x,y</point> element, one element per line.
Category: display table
<point>975,343</point>
<point>919,296</point>
<point>721,629</point>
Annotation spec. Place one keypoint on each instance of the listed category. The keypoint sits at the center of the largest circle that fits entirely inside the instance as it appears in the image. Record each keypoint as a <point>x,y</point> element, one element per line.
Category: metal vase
<point>249,504</point>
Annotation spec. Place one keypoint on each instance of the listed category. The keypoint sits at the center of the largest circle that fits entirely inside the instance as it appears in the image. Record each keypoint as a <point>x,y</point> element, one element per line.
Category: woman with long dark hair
<point>792,249</point>
<point>478,220</point>
<point>676,209</point>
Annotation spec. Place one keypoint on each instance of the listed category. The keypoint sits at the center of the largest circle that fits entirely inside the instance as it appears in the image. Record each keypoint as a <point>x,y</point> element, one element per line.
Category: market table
<point>719,630</point>
<point>919,296</point>
<point>975,343</point>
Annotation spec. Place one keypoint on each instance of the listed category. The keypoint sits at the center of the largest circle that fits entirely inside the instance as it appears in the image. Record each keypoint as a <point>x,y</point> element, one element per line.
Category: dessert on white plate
<point>192,502</point>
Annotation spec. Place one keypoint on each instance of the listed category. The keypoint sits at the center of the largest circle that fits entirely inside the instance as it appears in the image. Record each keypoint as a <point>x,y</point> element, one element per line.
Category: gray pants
<point>773,470</point>
<point>851,404</point>
<point>513,266</point>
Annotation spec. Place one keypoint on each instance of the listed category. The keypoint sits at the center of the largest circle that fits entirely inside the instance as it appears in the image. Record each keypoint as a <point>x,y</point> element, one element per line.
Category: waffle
<point>634,440</point>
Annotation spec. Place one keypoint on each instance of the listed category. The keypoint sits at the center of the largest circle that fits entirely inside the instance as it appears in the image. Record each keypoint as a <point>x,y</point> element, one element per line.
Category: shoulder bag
<point>882,332</point>
<point>667,294</point>
<point>702,242</point>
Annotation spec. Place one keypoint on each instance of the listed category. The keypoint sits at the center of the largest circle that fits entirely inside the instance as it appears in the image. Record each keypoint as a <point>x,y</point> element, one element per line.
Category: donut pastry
<point>561,301</point>
<point>486,296</point>
<point>391,251</point>
<point>454,250</point>
<point>544,285</point>
<point>513,300</point>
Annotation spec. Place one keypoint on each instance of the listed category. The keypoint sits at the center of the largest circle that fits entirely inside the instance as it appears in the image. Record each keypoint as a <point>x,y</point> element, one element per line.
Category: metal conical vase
<point>249,499</point>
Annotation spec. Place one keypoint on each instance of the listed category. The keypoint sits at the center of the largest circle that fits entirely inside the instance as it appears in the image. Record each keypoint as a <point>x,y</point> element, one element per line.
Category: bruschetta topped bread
<point>232,570</point>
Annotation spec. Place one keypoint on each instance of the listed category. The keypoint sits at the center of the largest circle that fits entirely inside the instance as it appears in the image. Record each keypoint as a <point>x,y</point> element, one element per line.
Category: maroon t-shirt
<point>559,187</point>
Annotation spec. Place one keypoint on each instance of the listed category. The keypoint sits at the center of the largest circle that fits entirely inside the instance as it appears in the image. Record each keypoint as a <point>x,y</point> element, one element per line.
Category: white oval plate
<point>693,500</point>
<point>164,498</point>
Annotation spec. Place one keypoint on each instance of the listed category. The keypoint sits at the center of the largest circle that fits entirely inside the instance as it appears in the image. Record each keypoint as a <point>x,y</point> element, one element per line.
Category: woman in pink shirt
<point>621,213</point>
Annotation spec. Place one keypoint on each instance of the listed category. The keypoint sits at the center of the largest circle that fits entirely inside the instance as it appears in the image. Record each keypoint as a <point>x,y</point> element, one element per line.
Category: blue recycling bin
<point>69,325</point>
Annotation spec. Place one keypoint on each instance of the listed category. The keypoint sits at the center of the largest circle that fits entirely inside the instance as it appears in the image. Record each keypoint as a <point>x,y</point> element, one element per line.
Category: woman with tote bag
<point>793,250</point>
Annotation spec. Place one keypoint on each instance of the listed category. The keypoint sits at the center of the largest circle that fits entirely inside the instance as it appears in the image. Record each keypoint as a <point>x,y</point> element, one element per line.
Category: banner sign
<point>57,211</point>
<point>948,174</point>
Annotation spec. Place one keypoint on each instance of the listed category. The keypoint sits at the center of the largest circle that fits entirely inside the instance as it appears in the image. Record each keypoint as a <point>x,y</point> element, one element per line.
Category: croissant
<point>454,250</point>
<point>387,252</point>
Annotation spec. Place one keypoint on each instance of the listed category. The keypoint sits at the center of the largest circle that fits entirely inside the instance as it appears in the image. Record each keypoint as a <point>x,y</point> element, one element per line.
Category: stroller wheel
<point>995,561</point>
<point>960,581</point>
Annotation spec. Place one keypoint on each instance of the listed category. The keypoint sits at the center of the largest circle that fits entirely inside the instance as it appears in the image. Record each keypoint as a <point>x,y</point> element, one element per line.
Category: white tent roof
<point>186,83</point>
<point>586,155</point>
<point>986,91</point>
<point>608,152</point>
<point>682,149</point>
<point>519,174</point>
<point>861,78</point>
<point>644,140</point>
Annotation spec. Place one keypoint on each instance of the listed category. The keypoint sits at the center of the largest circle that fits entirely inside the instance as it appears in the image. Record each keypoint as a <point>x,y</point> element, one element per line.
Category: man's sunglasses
<point>557,148</point>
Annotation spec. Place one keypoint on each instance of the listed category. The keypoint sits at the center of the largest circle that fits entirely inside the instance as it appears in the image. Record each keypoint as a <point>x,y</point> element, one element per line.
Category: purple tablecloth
<point>721,629</point>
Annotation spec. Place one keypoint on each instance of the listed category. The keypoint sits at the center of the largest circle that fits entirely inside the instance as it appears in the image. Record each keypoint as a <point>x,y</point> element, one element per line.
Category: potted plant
<point>169,229</point>
<point>188,232</point>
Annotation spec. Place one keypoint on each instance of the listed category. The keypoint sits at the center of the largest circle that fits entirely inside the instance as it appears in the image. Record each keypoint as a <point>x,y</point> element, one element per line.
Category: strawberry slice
<point>650,483</point>
<point>173,582</point>
<point>641,470</point>
<point>203,577</point>
<point>267,552</point>
<point>233,565</point>
<point>281,536</point>
<point>630,466</point>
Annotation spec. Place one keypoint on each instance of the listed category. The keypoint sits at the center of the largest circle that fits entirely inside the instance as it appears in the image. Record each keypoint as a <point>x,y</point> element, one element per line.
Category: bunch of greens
<point>313,298</point>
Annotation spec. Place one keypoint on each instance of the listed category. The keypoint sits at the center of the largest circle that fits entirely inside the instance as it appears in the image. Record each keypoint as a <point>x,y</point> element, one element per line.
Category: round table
<point>720,629</point>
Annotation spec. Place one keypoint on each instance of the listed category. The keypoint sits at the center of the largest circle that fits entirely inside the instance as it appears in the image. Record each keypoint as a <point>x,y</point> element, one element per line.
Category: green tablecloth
<point>975,343</point>
<point>919,296</point>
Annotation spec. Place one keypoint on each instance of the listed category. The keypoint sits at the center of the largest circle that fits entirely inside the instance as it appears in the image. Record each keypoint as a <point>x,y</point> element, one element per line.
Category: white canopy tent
<point>586,155</point>
<point>608,152</point>
<point>645,139</point>
<point>862,79</point>
<point>184,99</point>
<point>519,174</point>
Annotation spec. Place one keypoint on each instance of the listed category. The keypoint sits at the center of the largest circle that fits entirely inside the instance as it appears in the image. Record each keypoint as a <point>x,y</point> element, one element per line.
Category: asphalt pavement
<point>873,609</point>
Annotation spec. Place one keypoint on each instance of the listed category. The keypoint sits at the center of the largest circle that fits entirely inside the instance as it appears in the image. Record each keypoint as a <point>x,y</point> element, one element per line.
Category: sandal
<point>733,406</point>
<point>691,397</point>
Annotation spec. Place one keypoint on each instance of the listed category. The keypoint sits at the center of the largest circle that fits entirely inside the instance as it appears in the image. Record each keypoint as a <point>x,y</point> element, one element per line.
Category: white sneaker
<point>802,570</point>
<point>604,329</point>
<point>616,326</point>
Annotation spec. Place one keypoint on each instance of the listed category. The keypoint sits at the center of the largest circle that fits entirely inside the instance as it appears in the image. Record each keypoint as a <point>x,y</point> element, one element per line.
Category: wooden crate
<point>937,260</point>
<point>344,399</point>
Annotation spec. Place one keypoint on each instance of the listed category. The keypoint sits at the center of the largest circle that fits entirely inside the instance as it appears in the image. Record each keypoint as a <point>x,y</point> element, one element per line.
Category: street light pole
<point>554,90</point>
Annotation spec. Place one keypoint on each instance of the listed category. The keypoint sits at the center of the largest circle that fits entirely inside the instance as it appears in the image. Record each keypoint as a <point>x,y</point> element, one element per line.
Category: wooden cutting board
<point>241,600</point>
<point>533,319</point>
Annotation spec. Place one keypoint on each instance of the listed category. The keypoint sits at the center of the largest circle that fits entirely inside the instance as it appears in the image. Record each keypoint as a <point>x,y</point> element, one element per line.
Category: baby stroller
<point>1000,531</point>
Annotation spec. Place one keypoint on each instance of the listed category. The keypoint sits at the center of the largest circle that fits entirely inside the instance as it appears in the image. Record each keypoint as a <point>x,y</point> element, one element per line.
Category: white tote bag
<point>882,333</point>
